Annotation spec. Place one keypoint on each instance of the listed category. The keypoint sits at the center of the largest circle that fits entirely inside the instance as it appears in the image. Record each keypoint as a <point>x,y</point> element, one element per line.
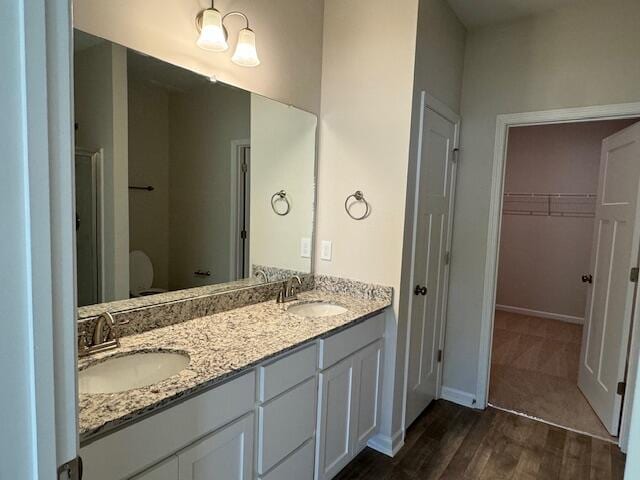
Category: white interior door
<point>432,227</point>
<point>611,296</point>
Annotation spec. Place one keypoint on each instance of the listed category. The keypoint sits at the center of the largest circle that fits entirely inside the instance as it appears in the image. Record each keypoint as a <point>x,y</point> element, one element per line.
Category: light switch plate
<point>305,247</point>
<point>325,250</point>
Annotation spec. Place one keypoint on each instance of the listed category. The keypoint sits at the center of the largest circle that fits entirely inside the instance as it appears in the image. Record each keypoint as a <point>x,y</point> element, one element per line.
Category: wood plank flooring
<point>534,370</point>
<point>453,442</point>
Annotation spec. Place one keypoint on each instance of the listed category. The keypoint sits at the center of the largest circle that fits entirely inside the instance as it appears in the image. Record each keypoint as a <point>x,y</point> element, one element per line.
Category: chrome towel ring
<point>358,196</point>
<point>280,196</point>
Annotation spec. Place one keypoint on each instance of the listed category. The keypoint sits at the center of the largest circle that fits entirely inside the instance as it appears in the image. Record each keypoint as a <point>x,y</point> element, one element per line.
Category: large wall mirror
<point>183,182</point>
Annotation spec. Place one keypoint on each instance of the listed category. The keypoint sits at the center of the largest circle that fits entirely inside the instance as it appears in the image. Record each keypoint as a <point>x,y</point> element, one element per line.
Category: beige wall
<point>202,123</point>
<point>283,149</point>
<point>289,40</point>
<point>100,91</point>
<point>149,165</point>
<point>543,257</point>
<point>367,86</point>
<point>576,56</point>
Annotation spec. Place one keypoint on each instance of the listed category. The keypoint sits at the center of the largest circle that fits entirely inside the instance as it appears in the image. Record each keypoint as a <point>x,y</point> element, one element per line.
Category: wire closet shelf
<point>581,205</point>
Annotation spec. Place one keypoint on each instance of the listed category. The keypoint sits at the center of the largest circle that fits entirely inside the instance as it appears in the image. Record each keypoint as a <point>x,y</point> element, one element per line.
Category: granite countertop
<point>219,346</point>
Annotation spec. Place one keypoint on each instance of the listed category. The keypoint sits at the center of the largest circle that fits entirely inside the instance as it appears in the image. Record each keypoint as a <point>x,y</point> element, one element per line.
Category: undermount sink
<point>316,309</point>
<point>119,374</point>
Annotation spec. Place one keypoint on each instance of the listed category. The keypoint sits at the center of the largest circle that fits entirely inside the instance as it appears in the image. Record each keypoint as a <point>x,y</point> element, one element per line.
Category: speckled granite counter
<point>219,346</point>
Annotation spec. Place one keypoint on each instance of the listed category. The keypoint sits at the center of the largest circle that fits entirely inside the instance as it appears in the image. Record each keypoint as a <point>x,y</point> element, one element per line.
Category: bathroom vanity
<point>193,206</point>
<point>267,394</point>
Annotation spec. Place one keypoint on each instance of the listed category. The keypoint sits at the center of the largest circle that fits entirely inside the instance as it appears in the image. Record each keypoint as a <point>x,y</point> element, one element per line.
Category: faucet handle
<point>83,344</point>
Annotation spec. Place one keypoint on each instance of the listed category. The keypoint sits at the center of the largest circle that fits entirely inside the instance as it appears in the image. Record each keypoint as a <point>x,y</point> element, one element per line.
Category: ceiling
<point>477,13</point>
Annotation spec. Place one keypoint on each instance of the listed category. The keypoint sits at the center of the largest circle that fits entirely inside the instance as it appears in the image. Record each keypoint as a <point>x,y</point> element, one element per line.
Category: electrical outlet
<point>325,250</point>
<point>305,247</point>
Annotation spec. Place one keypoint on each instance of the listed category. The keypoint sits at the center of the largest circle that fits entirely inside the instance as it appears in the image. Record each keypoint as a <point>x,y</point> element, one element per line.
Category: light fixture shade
<point>212,35</point>
<point>246,54</point>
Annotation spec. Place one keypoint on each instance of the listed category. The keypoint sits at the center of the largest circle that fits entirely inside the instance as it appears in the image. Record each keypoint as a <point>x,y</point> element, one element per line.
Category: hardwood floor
<point>534,370</point>
<point>453,442</point>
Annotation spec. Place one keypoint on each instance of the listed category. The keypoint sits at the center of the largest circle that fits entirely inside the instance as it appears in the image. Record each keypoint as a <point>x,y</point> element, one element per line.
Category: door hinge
<point>244,167</point>
<point>243,234</point>
<point>622,386</point>
<point>456,155</point>
<point>633,276</point>
<point>72,470</point>
<point>439,356</point>
<point>447,258</point>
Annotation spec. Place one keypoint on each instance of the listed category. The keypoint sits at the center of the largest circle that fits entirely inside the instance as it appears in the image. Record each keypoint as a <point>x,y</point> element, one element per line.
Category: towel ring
<point>359,197</point>
<point>277,197</point>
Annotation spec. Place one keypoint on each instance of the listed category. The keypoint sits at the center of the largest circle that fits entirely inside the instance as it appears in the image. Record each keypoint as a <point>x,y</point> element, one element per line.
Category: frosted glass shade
<point>246,54</point>
<point>212,35</point>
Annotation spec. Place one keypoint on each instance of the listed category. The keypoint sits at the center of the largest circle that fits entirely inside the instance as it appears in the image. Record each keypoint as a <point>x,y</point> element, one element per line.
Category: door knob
<point>420,290</point>
<point>587,278</point>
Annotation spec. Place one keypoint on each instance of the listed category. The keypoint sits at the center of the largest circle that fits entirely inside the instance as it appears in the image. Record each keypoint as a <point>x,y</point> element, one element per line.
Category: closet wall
<point>542,257</point>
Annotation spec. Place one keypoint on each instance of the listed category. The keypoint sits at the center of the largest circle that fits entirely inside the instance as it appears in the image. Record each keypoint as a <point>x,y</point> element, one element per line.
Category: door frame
<point>429,101</point>
<point>96,157</point>
<point>503,123</point>
<point>237,147</point>
<point>39,41</point>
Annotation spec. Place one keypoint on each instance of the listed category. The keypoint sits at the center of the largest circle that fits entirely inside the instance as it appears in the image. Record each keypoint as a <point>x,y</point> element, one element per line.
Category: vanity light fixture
<point>213,36</point>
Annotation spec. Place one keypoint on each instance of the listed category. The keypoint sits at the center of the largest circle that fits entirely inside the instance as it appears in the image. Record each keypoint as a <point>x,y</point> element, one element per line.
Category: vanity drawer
<point>285,423</point>
<point>299,466</point>
<point>342,344</point>
<point>162,434</point>
<point>282,374</point>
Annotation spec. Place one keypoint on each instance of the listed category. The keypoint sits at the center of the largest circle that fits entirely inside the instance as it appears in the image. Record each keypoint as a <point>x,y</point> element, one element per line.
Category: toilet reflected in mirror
<point>141,275</point>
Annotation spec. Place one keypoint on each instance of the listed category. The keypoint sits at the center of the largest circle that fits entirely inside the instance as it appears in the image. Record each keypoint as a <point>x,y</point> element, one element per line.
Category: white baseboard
<point>538,313</point>
<point>386,444</point>
<point>458,396</point>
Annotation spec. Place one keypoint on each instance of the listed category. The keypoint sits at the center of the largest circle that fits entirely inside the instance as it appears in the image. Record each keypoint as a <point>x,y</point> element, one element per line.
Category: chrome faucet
<point>289,291</point>
<point>105,336</point>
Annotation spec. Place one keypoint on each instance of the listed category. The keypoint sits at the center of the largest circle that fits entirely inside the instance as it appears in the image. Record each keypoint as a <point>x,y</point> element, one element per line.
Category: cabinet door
<point>226,454</point>
<point>335,419</point>
<point>167,470</point>
<point>368,368</point>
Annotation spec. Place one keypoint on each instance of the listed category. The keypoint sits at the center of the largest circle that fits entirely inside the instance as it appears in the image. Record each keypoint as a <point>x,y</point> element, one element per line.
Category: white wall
<point>283,150</point>
<point>289,41</point>
<point>576,56</point>
<point>202,123</point>
<point>367,94</point>
<point>543,257</point>
<point>100,74</point>
<point>149,165</point>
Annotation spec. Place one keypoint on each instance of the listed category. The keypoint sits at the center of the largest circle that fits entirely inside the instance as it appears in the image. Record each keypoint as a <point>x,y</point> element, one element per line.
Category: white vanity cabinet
<point>300,416</point>
<point>349,395</point>
<point>205,419</point>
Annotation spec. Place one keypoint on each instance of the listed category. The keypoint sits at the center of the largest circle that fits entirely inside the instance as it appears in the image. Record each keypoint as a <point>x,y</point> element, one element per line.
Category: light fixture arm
<point>214,36</point>
<point>239,14</point>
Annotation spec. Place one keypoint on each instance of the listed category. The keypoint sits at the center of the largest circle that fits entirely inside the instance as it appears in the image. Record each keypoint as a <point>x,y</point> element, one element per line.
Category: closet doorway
<point>563,297</point>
